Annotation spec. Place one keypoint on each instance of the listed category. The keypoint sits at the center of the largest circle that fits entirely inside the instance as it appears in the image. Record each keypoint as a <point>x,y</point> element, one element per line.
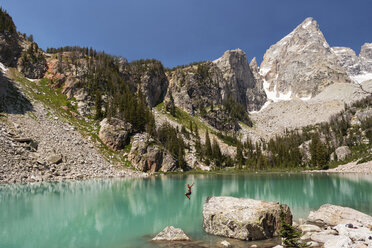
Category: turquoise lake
<point>128,213</point>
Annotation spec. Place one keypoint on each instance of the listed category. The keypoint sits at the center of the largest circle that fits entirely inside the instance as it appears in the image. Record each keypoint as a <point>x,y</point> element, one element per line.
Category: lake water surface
<point>127,213</point>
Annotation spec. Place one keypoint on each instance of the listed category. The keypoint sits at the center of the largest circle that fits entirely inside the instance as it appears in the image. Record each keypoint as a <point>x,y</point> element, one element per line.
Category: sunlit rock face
<point>301,64</point>
<point>359,68</point>
<point>240,81</point>
<point>243,218</point>
<point>200,85</point>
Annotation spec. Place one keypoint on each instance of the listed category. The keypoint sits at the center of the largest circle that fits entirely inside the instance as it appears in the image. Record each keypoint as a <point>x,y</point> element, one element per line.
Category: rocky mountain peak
<point>301,64</point>
<point>359,68</point>
<point>348,59</point>
<point>366,57</point>
<point>237,74</point>
<point>309,24</point>
<point>253,65</point>
<point>366,51</point>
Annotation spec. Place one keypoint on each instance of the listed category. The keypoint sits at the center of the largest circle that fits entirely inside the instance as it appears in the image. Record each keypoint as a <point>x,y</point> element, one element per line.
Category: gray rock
<point>338,241</point>
<point>321,237</point>
<point>33,68</point>
<point>309,228</point>
<point>313,244</point>
<point>224,243</point>
<point>332,215</point>
<point>54,158</point>
<point>10,50</point>
<point>359,234</point>
<point>240,81</point>
<point>171,233</point>
<point>147,155</point>
<point>115,133</point>
<point>365,56</point>
<point>244,219</point>
<point>363,115</point>
<point>301,64</point>
<point>359,68</point>
<point>342,152</point>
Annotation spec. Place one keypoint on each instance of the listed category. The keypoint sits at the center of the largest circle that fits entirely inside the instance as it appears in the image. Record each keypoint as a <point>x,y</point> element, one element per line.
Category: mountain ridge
<point>206,115</point>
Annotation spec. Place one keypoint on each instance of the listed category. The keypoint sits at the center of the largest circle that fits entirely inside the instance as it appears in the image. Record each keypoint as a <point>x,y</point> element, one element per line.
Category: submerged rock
<point>241,218</point>
<point>171,233</point>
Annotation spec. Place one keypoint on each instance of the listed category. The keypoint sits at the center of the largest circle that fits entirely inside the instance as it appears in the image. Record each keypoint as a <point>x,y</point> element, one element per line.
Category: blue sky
<point>183,31</point>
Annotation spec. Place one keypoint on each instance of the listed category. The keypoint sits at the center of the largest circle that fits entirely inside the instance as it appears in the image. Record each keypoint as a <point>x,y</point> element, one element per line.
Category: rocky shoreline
<point>352,167</point>
<point>238,220</point>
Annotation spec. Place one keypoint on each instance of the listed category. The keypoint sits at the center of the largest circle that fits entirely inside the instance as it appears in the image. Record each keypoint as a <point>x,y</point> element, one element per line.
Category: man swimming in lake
<point>189,193</point>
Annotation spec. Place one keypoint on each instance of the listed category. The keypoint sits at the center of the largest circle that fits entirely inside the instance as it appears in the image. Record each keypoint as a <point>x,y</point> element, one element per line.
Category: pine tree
<point>208,147</point>
<point>216,152</point>
<point>289,235</point>
<point>190,125</point>
<point>239,155</point>
<point>196,131</point>
<point>98,105</point>
<point>318,151</point>
<point>170,107</point>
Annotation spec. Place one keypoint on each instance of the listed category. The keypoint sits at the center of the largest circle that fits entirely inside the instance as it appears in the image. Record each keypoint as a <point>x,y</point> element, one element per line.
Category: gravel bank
<point>352,167</point>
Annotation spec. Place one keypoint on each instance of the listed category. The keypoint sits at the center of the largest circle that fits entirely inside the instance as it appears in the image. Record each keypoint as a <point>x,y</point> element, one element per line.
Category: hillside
<point>75,112</point>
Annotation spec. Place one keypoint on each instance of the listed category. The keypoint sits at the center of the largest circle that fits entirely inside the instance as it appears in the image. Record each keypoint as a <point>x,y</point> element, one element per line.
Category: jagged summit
<point>241,82</point>
<point>301,64</point>
<point>359,68</point>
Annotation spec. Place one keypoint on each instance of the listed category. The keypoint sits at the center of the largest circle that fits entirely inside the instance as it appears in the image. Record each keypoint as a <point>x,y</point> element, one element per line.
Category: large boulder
<point>171,233</point>
<point>342,152</point>
<point>115,133</point>
<point>146,155</point>
<point>242,218</point>
<point>332,215</point>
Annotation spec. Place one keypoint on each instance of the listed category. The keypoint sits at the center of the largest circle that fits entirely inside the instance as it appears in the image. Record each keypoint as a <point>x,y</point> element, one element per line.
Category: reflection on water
<point>119,213</point>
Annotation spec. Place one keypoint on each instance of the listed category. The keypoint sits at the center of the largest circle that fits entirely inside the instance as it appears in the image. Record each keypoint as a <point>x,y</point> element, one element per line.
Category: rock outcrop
<point>196,86</point>
<point>338,227</point>
<point>147,156</point>
<point>240,81</point>
<point>32,65</point>
<point>10,49</point>
<point>244,219</point>
<point>115,133</point>
<point>171,233</point>
<point>332,215</point>
<point>342,152</point>
<point>148,75</point>
<point>301,64</point>
<point>203,84</point>
<point>359,68</point>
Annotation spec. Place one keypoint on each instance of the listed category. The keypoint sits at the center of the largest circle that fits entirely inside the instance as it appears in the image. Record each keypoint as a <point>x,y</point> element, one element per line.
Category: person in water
<point>189,193</point>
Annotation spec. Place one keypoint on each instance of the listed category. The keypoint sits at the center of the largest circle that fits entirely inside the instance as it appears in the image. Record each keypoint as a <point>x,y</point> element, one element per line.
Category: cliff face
<point>210,83</point>
<point>301,64</point>
<point>359,68</point>
<point>239,80</point>
<point>196,86</point>
<point>10,49</point>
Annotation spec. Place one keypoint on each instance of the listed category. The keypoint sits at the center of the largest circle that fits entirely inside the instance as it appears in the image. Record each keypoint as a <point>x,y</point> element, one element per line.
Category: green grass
<point>53,100</point>
<point>184,119</point>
